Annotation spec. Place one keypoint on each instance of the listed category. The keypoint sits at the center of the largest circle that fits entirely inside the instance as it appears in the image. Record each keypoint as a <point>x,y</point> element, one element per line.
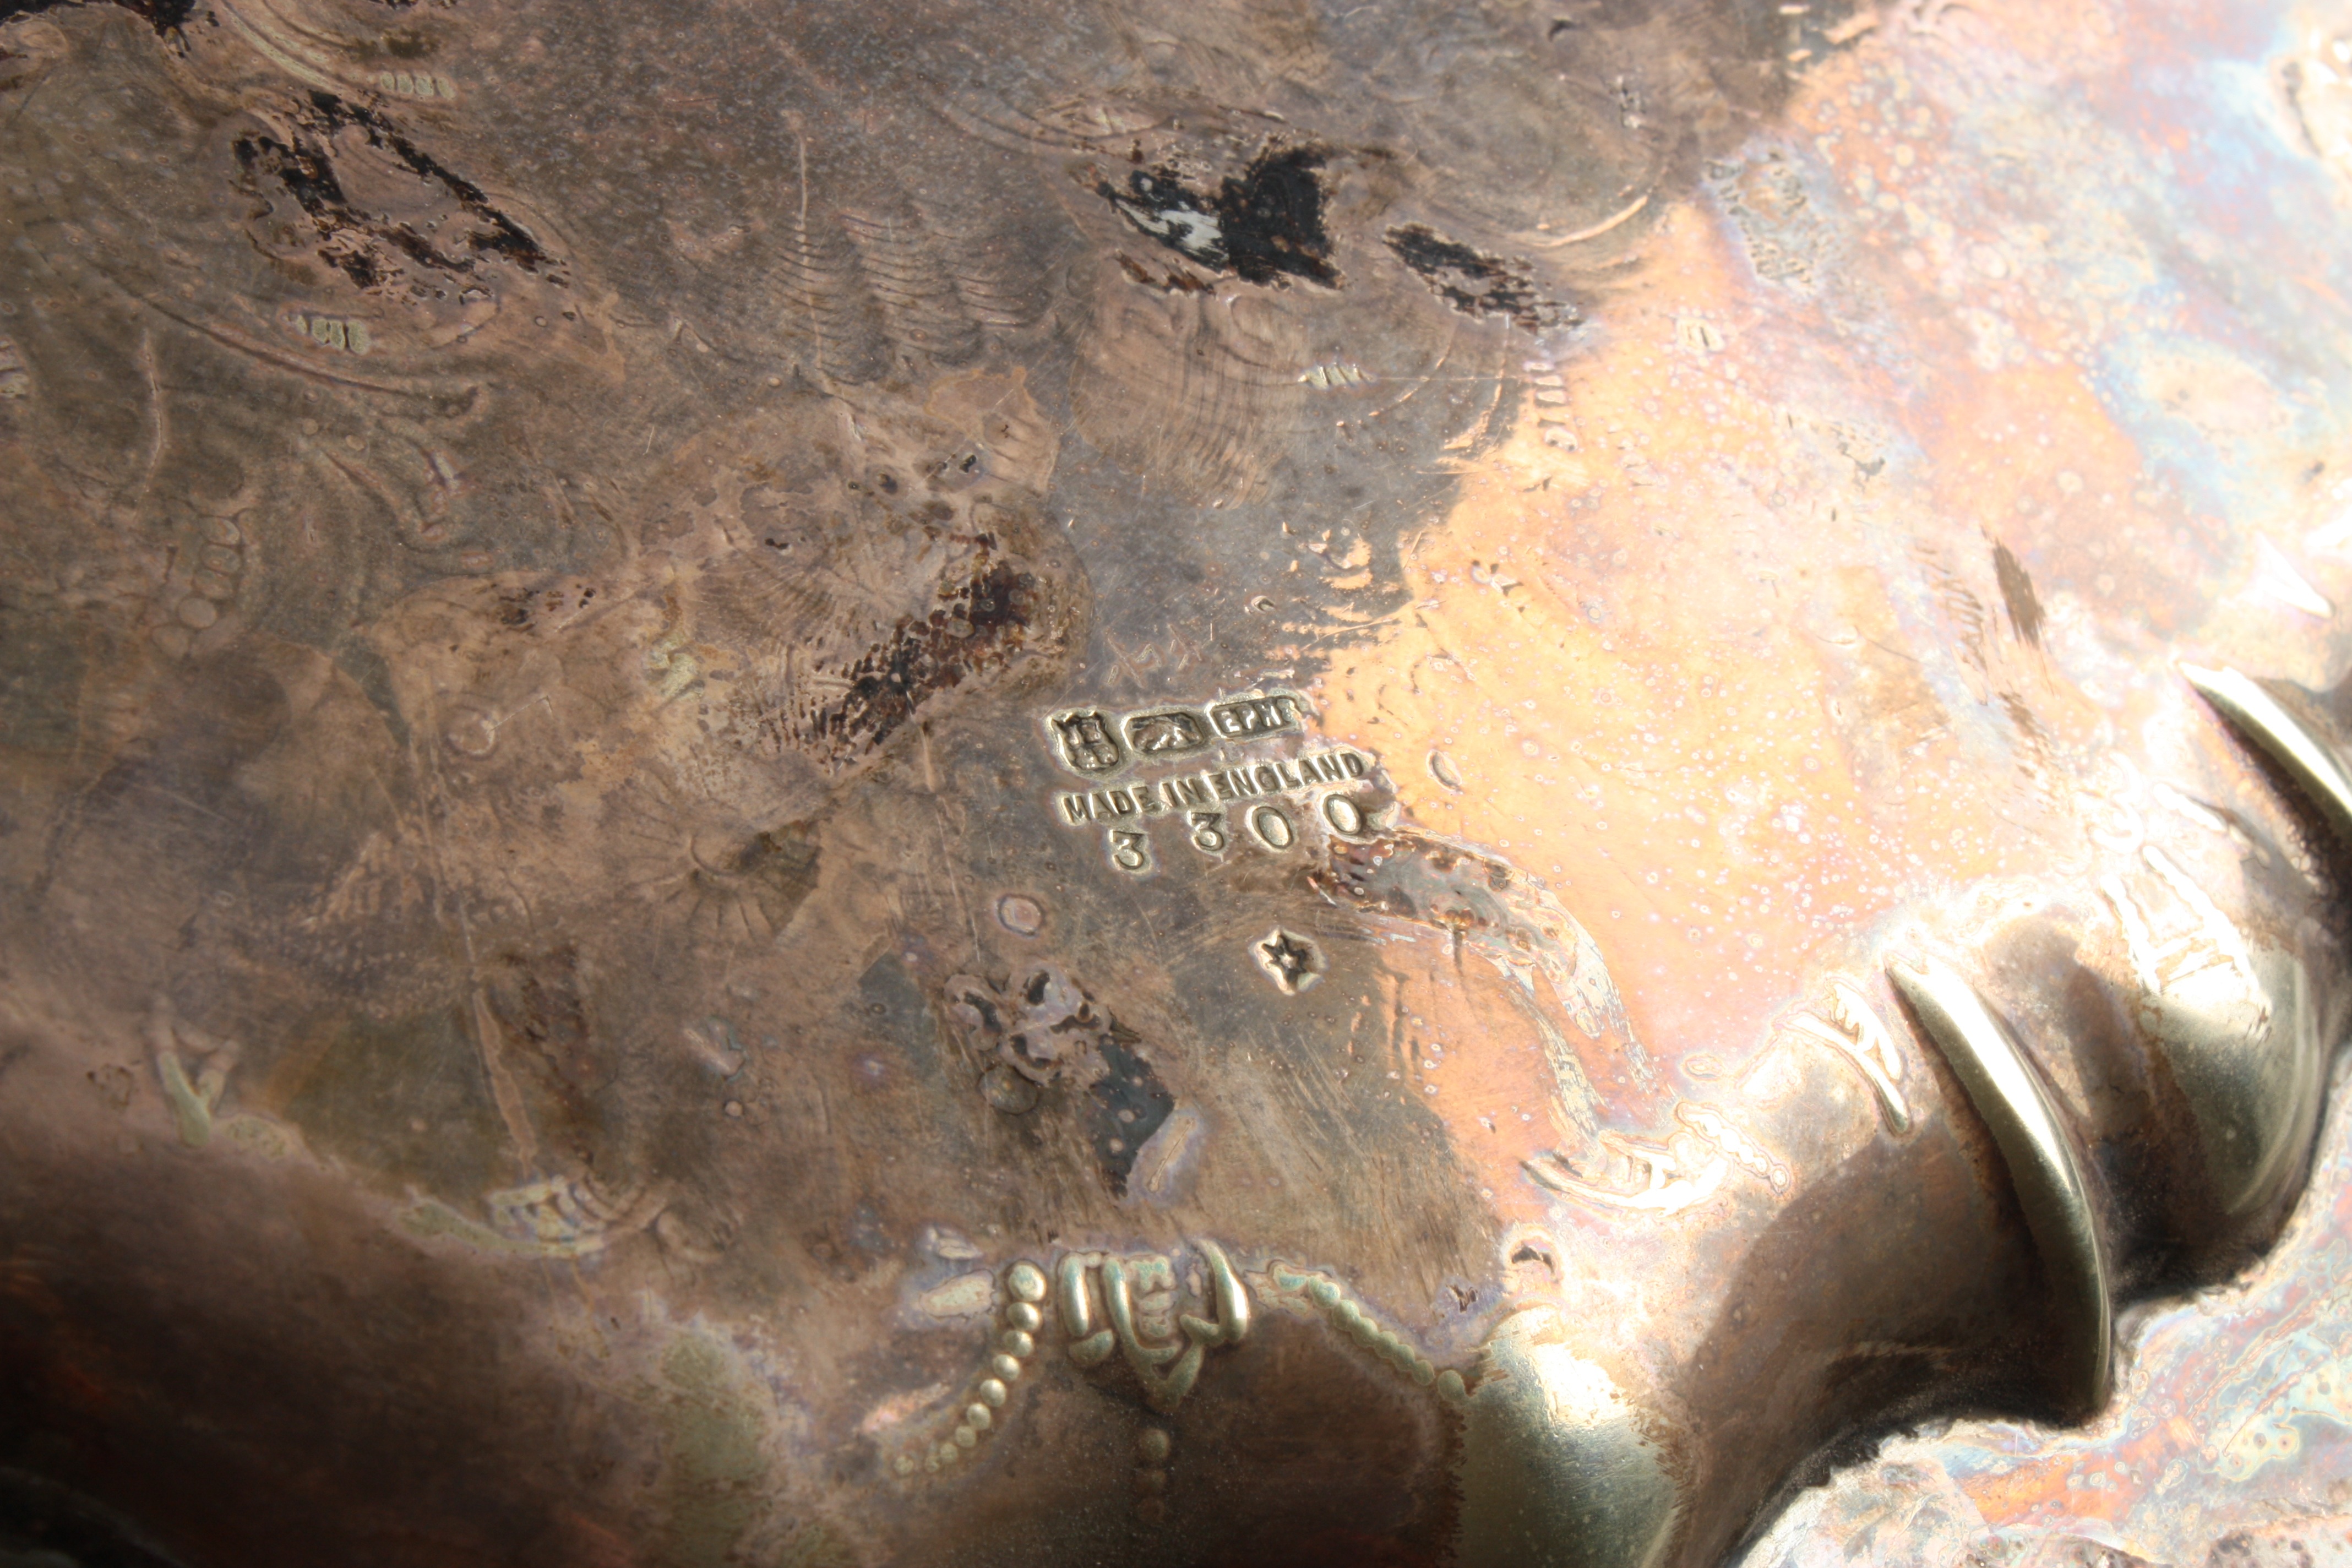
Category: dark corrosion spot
<point>773,871</point>
<point>1478,284</point>
<point>1175,280</point>
<point>1602,15</point>
<point>164,15</point>
<point>982,626</point>
<point>1131,1103</point>
<point>1266,226</point>
<point>786,864</point>
<point>302,169</point>
<point>2017,594</point>
<point>370,249</point>
<point>537,999</point>
<point>501,235</point>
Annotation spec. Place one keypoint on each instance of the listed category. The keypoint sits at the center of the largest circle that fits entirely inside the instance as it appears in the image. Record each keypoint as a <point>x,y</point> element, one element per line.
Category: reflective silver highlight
<point>2007,1092</point>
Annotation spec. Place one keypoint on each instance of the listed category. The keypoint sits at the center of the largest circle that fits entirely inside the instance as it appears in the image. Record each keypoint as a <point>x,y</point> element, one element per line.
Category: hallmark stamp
<point>1096,744</point>
<point>1212,789</point>
<point>1217,792</point>
<point>1271,826</point>
<point>1087,745</point>
<point>1247,717</point>
<point>1292,962</point>
<point>1129,851</point>
<point>1169,732</point>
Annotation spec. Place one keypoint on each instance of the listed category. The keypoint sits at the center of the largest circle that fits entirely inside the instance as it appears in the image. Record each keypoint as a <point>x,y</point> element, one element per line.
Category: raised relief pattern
<point>2191,952</point>
<point>990,1390</point>
<point>1313,1294</point>
<point>1128,1304</point>
<point>1639,1175</point>
<point>1666,1178</point>
<point>1854,1031</point>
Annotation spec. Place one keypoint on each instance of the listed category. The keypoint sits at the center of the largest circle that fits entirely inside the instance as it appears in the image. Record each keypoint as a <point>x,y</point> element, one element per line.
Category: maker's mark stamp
<point>1170,732</point>
<point>1086,744</point>
<point>1245,717</point>
<point>1225,793</point>
<point>1088,741</point>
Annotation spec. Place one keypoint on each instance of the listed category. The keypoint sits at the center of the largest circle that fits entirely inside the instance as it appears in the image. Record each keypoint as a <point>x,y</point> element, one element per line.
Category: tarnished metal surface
<point>1044,784</point>
<point>2226,1443</point>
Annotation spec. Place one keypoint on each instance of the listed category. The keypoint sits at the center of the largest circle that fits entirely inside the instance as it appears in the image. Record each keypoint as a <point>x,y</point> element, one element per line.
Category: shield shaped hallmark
<point>1089,746</point>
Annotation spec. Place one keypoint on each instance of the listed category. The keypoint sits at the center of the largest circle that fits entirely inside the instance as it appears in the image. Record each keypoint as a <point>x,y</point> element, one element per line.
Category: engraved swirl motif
<point>566,563</point>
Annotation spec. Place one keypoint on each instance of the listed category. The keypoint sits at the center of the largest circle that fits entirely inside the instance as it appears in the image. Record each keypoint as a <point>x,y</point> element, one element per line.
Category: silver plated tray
<point>1372,784</point>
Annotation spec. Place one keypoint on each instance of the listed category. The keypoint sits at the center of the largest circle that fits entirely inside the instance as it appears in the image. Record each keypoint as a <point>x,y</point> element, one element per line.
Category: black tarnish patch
<point>1478,284</point>
<point>366,249</point>
<point>982,624</point>
<point>1266,226</point>
<point>165,16</point>
<point>1131,1103</point>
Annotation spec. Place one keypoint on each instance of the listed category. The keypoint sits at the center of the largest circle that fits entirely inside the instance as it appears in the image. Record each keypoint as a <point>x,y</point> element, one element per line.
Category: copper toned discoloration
<point>950,785</point>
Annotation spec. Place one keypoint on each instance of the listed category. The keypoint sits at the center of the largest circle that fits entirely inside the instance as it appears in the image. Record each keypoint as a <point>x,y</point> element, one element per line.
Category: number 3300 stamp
<point>1215,798</point>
